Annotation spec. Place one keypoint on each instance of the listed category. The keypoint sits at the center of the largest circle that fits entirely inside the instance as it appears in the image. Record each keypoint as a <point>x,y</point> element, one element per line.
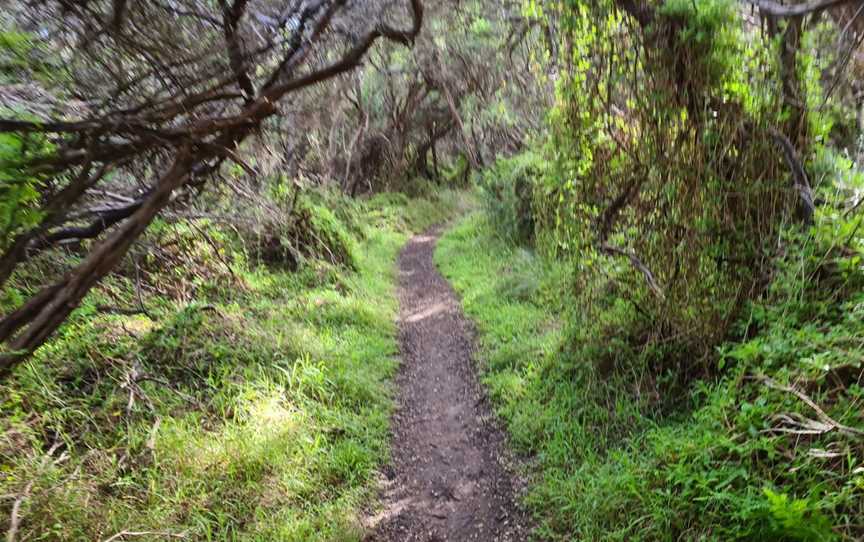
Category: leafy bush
<point>507,188</point>
<point>19,189</point>
<point>654,190</point>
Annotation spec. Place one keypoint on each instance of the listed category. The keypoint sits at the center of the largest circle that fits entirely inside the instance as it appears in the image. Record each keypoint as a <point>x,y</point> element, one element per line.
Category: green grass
<point>608,464</point>
<point>253,408</point>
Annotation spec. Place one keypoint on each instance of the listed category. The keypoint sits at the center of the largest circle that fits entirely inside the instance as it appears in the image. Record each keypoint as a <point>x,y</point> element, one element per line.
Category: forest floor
<point>450,478</point>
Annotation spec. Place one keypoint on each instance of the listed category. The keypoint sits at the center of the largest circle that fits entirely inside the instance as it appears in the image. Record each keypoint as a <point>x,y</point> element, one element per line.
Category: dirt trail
<point>448,482</point>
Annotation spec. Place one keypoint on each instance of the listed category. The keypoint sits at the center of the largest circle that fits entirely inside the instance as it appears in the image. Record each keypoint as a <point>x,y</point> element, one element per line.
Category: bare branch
<point>799,176</point>
<point>826,419</point>
<point>637,263</point>
<point>777,9</point>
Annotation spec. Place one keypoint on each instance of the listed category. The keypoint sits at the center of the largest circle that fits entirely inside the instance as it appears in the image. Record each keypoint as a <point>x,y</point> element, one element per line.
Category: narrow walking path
<point>449,483</point>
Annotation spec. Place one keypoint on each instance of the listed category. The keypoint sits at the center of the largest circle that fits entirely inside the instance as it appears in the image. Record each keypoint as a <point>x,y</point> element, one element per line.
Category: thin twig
<point>15,516</point>
<point>138,288</point>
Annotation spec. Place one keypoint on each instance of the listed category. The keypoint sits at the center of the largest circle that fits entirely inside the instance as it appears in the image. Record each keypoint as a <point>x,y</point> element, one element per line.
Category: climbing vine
<point>665,140</point>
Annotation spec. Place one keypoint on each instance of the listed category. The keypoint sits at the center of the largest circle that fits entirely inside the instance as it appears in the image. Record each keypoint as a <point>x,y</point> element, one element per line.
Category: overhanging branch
<point>193,147</point>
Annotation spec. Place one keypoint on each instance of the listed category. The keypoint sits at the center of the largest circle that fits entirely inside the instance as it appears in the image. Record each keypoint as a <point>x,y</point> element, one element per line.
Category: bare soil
<point>449,480</point>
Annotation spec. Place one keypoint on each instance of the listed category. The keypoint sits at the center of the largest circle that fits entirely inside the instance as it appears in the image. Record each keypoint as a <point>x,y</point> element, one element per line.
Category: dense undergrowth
<point>744,456</point>
<point>213,392</point>
<point>669,283</point>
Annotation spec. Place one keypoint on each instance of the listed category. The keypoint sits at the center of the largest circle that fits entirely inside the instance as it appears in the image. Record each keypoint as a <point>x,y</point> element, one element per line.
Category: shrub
<point>507,189</point>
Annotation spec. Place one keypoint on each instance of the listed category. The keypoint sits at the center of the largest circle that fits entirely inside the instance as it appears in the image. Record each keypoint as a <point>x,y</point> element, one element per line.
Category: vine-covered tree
<point>682,135</point>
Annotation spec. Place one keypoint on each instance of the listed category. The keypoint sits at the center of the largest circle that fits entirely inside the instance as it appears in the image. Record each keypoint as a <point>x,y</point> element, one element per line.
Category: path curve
<point>447,482</point>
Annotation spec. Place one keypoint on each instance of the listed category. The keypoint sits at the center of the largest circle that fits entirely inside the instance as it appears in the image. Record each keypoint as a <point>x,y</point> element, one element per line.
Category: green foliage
<point>708,41</point>
<point>330,238</point>
<point>507,190</point>
<point>794,519</point>
<point>247,403</point>
<point>719,466</point>
<point>647,159</point>
<point>19,188</point>
<point>660,407</point>
<point>481,27</point>
<point>25,57</point>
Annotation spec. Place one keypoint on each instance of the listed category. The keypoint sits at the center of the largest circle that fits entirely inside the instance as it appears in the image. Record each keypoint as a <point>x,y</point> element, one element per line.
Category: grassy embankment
<point>249,402</point>
<point>609,465</point>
